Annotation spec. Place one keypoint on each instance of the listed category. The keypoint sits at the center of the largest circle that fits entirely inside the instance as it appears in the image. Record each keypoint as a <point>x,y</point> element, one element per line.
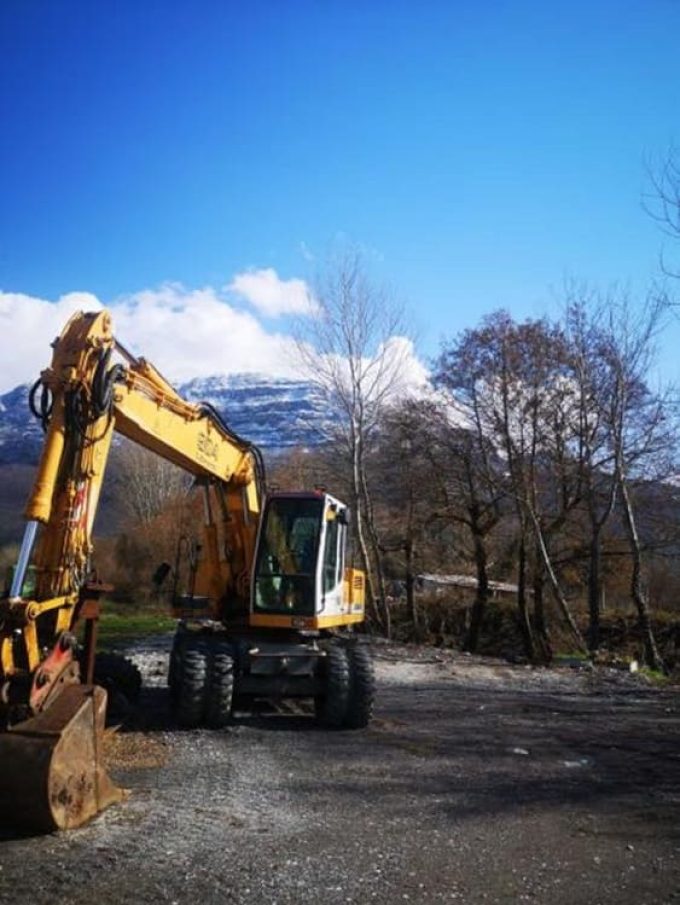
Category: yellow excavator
<point>266,610</point>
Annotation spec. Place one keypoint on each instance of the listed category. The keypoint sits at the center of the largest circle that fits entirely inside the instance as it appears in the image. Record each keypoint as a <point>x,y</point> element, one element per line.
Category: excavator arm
<point>50,769</point>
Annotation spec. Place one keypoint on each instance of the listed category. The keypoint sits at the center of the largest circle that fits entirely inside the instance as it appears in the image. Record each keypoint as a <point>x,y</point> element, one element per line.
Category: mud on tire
<point>361,687</point>
<point>331,706</point>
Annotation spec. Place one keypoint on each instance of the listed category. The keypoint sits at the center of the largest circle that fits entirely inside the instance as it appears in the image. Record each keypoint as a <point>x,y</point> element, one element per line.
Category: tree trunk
<point>554,583</point>
<point>372,597</point>
<point>597,525</point>
<point>410,582</point>
<point>541,637</point>
<point>524,623</point>
<point>594,568</point>
<point>638,591</point>
<point>481,598</point>
<point>377,557</point>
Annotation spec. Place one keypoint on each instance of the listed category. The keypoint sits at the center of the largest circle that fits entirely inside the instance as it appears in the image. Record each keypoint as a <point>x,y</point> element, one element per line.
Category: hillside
<point>15,484</point>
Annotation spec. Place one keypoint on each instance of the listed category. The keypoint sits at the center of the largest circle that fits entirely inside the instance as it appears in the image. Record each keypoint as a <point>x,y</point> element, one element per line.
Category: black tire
<point>361,687</point>
<point>174,665</point>
<point>221,686</point>
<point>191,683</point>
<point>331,707</point>
<point>118,675</point>
<point>122,681</point>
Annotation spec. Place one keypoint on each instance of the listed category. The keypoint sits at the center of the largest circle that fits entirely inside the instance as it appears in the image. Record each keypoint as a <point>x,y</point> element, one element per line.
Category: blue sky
<point>480,153</point>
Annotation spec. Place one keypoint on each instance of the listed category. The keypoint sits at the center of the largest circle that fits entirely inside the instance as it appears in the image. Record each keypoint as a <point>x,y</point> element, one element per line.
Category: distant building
<point>439,584</point>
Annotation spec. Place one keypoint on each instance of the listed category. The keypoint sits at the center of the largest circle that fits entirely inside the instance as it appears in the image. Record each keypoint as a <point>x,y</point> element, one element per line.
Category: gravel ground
<point>478,782</point>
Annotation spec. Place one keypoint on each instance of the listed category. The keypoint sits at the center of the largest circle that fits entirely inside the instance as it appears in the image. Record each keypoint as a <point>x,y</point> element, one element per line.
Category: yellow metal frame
<point>311,623</point>
<point>353,600</point>
<point>24,614</point>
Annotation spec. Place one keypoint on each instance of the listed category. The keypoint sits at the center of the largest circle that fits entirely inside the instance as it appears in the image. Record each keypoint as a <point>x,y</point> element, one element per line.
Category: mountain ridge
<point>273,412</point>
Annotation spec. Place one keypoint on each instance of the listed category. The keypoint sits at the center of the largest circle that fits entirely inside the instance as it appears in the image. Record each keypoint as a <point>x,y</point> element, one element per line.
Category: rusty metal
<point>51,772</point>
<point>88,612</point>
<point>90,648</point>
<point>57,669</point>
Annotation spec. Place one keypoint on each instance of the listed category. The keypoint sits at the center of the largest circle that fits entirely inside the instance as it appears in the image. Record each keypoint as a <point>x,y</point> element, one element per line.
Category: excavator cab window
<point>331,559</point>
<point>285,572</point>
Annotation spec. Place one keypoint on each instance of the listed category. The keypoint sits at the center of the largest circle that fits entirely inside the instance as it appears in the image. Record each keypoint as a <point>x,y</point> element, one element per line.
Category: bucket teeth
<point>51,772</point>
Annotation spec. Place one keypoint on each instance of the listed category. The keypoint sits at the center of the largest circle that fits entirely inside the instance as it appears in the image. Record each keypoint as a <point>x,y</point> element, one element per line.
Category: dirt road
<point>477,783</point>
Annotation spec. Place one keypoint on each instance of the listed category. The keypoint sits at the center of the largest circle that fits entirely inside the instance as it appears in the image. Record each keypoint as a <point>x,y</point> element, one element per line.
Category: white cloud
<point>27,326</point>
<point>272,296</point>
<point>391,374</point>
<point>196,333</point>
<point>414,378</point>
<point>184,332</point>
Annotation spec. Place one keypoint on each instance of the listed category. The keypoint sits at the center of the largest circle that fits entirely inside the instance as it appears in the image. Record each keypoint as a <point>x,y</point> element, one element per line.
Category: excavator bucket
<point>51,773</point>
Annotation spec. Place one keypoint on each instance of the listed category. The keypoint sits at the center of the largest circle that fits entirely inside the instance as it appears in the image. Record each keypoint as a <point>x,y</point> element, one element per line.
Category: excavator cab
<point>299,578</point>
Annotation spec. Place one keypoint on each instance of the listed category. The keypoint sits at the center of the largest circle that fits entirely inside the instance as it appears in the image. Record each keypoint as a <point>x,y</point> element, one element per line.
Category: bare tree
<point>591,378</point>
<point>145,482</point>
<point>641,435</point>
<point>466,468</point>
<point>663,202</point>
<point>513,380</point>
<point>624,432</point>
<point>408,491</point>
<point>353,350</point>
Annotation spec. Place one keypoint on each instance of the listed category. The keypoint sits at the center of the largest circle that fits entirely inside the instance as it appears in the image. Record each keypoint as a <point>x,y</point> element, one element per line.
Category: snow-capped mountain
<point>274,413</point>
<point>21,435</point>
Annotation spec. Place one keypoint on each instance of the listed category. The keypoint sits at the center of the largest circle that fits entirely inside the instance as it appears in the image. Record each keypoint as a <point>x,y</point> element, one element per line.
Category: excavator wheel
<point>114,671</point>
<point>51,772</point>
<point>331,707</point>
<point>174,666</point>
<point>192,672</point>
<point>221,685</point>
<point>122,681</point>
<point>361,687</point>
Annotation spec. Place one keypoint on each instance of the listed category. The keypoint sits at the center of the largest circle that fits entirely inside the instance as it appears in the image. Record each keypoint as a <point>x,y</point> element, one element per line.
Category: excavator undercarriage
<point>214,673</point>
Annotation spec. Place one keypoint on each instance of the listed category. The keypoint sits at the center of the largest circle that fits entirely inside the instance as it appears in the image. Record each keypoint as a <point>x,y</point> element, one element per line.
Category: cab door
<point>332,560</point>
